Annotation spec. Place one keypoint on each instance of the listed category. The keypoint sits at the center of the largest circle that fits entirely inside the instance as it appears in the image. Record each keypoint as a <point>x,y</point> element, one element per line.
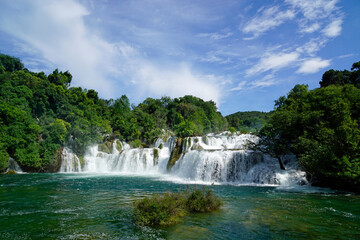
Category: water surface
<point>83,206</point>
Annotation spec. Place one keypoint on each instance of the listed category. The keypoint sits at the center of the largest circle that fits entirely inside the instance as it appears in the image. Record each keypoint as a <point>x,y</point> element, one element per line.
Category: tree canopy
<point>322,127</point>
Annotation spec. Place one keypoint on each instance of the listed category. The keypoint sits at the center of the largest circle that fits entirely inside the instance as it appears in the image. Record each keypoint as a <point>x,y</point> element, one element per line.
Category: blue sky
<point>241,54</point>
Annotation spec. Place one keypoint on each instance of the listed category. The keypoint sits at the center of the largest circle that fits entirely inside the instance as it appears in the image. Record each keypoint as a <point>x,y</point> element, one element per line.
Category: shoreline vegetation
<point>40,114</point>
<point>168,208</point>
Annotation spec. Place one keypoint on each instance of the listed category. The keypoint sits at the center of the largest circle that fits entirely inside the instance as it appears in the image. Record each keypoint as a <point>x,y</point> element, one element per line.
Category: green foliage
<point>247,121</point>
<point>135,143</point>
<point>186,129</point>
<point>322,128</point>
<point>4,159</point>
<point>232,130</point>
<point>168,208</point>
<point>160,210</point>
<point>336,77</point>
<point>10,64</point>
<point>202,201</point>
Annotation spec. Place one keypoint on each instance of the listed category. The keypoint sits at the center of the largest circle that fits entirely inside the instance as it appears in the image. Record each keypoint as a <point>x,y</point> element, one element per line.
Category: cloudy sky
<point>241,54</point>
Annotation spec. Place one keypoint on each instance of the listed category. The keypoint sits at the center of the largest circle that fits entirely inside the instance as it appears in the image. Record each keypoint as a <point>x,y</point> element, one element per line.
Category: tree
<point>321,127</point>
<point>10,64</point>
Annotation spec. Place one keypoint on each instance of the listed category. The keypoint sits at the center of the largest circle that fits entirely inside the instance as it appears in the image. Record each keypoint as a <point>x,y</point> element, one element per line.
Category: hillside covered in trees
<point>322,127</point>
<point>248,121</point>
<point>39,114</point>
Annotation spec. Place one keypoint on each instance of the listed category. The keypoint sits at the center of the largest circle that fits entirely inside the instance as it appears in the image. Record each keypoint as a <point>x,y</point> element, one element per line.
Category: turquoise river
<point>93,206</point>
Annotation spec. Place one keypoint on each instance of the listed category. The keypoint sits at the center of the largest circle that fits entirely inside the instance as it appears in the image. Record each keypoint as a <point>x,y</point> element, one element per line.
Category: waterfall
<point>70,162</point>
<point>214,158</point>
<point>13,166</point>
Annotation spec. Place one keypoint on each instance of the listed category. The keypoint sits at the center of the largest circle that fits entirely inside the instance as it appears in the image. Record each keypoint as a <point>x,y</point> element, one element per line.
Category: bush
<point>168,208</point>
<point>232,130</point>
<point>202,201</point>
<point>160,210</point>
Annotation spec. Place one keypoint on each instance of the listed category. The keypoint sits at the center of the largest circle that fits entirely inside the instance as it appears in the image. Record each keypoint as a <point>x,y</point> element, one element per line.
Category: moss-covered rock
<point>105,147</point>
<point>135,143</point>
<point>55,162</point>
<point>11,172</point>
<point>82,160</point>
<point>175,154</point>
<point>119,146</point>
<point>197,146</point>
<point>156,156</point>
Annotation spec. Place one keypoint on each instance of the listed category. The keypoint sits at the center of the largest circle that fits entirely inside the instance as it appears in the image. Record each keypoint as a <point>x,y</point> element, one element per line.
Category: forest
<point>251,121</point>
<point>40,114</point>
<point>321,127</point>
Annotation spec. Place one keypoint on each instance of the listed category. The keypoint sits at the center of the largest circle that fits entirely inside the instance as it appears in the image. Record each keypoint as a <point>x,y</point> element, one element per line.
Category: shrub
<point>202,201</point>
<point>160,210</point>
<point>232,130</point>
<point>168,208</point>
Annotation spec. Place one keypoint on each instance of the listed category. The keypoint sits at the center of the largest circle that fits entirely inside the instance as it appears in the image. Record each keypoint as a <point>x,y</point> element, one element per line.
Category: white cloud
<point>333,29</point>
<point>240,86</point>
<point>176,82</point>
<point>269,19</point>
<point>318,13</point>
<point>312,46</point>
<point>313,65</point>
<point>314,9</point>
<point>273,62</point>
<point>310,29</point>
<point>266,81</point>
<point>216,36</point>
<point>57,30</point>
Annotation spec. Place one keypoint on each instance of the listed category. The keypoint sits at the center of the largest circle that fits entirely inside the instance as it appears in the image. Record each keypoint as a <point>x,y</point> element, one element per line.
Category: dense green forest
<point>39,114</point>
<point>322,127</point>
<point>247,121</point>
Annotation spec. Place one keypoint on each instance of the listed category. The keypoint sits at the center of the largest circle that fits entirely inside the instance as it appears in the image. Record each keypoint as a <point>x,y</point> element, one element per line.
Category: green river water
<point>83,206</point>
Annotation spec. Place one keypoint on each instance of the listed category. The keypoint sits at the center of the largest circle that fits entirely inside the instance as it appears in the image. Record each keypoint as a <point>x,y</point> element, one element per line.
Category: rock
<point>11,172</point>
<point>156,156</point>
<point>105,147</point>
<point>119,146</point>
<point>197,146</point>
<point>175,154</point>
<point>55,162</point>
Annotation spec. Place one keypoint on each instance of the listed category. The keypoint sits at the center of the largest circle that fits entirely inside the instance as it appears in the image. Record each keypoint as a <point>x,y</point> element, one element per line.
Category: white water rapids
<point>221,158</point>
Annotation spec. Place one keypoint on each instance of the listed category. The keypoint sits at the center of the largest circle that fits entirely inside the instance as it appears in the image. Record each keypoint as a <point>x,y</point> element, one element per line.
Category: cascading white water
<point>14,166</point>
<point>221,158</point>
<point>70,162</point>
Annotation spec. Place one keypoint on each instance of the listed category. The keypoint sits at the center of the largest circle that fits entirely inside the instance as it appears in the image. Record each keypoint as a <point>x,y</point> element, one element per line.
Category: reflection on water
<point>66,206</point>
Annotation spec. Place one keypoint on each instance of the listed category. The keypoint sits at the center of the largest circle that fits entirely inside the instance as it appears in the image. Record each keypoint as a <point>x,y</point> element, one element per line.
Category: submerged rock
<point>11,172</point>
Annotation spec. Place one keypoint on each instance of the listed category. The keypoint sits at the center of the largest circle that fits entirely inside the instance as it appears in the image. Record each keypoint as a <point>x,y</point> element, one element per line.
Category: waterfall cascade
<point>221,158</point>
<point>13,166</point>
